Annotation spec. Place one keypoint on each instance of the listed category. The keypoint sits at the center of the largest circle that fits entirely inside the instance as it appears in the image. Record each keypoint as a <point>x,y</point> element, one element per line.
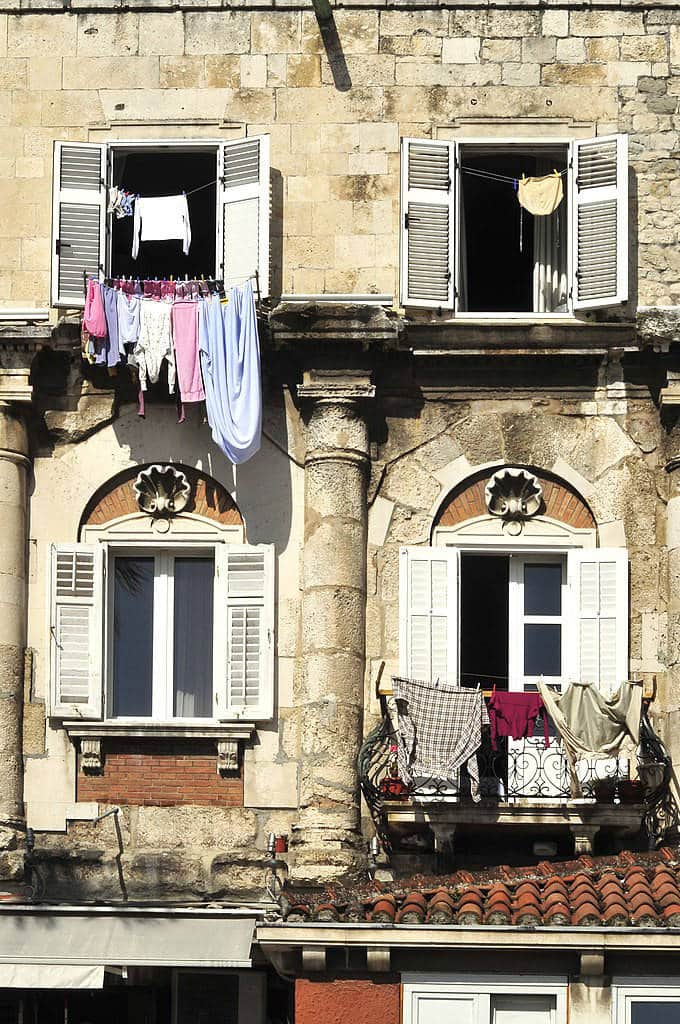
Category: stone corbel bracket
<point>227,756</point>
<point>91,756</point>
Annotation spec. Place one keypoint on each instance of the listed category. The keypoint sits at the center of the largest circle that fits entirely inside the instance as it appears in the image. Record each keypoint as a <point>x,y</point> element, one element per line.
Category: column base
<point>322,855</point>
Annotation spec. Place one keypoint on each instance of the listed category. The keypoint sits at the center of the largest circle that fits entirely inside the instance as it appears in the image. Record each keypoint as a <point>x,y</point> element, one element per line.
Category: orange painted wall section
<point>347,1001</point>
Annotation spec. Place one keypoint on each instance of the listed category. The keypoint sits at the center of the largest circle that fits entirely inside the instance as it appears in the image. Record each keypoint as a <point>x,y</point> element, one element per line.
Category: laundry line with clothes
<point>207,340</point>
<point>439,727</point>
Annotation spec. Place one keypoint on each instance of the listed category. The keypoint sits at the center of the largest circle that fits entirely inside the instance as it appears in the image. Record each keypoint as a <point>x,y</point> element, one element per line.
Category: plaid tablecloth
<point>439,729</point>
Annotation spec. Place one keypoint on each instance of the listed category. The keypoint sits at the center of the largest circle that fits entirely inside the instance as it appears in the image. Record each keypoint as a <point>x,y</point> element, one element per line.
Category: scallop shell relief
<point>513,494</point>
<point>162,490</point>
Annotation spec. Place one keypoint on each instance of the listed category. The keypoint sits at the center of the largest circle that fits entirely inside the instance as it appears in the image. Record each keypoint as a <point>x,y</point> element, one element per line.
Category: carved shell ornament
<point>513,494</point>
<point>162,490</point>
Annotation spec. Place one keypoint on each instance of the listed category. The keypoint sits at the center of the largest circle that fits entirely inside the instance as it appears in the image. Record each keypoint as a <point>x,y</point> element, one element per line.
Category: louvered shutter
<point>78,218</point>
<point>243,220</point>
<point>428,600</point>
<point>76,631</point>
<point>244,604</point>
<point>598,584</point>
<point>600,221</point>
<point>427,223</point>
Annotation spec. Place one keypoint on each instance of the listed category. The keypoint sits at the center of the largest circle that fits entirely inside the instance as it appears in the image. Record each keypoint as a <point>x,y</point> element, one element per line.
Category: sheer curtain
<point>193,637</point>
<point>550,255</point>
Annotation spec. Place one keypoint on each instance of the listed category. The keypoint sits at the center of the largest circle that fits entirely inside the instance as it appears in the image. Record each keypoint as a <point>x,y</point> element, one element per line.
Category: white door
<point>538,605</point>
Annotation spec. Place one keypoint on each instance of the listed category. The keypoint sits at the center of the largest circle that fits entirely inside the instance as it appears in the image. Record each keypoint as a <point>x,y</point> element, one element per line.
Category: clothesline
<point>493,176</point>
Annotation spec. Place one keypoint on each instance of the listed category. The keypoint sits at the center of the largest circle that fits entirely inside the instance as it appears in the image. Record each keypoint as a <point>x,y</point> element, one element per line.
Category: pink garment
<point>184,318</point>
<point>167,289</point>
<point>94,317</point>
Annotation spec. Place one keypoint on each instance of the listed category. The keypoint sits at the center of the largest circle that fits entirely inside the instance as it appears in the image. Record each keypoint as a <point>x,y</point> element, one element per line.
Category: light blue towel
<point>230,361</point>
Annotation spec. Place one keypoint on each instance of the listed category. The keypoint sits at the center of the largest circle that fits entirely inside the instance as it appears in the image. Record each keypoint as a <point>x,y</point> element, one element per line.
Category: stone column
<point>328,841</point>
<point>670,730</point>
<point>14,466</point>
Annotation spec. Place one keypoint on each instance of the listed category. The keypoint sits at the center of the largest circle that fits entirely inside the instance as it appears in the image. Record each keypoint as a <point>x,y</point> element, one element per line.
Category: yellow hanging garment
<point>541,196</point>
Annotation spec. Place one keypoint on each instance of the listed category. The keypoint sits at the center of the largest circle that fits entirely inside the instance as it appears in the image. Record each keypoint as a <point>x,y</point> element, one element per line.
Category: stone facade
<point>371,418</point>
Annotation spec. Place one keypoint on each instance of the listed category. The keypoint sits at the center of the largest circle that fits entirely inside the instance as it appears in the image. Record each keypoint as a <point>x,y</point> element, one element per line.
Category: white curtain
<point>550,255</point>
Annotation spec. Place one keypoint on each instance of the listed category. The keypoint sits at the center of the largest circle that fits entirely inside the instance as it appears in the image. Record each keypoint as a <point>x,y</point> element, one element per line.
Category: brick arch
<point>117,498</point>
<point>560,502</point>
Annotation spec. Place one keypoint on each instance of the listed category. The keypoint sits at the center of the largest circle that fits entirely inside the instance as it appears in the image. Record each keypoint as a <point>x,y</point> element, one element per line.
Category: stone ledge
<point>101,6</point>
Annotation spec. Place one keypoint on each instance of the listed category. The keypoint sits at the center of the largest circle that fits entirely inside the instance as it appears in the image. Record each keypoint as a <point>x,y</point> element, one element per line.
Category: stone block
<point>184,73</point>
<point>675,46</point>
<point>421,45</point>
<point>602,48</point>
<point>407,23</point>
<point>253,71</point>
<point>521,74</point>
<point>506,23</point>
<point>555,23</point>
<point>108,36</point>
<point>379,519</point>
<point>44,73</point>
<point>275,32</point>
<point>277,69</point>
<point>332,216</point>
<point>30,167</point>
<point>538,49</point>
<point>574,74</point>
<point>606,23</point>
<point>186,826</point>
<point>461,50</point>
<point>333,620</point>
<point>379,137</point>
<point>644,48</point>
<point>367,163</point>
<point>222,72</point>
<point>14,73</point>
<point>77,107</point>
<point>27,108</point>
<point>308,282</point>
<point>50,35</point>
<point>357,30</point>
<point>3,35</point>
<point>34,730</point>
<point>328,106</point>
<point>334,555</point>
<point>626,72</point>
<point>126,72</point>
<point>362,187</point>
<point>270,785</point>
<point>307,188</point>
<point>497,50</point>
<point>379,69</point>
<point>304,70</point>
<point>35,253</point>
<point>162,34</point>
<point>375,218</point>
<point>221,32</point>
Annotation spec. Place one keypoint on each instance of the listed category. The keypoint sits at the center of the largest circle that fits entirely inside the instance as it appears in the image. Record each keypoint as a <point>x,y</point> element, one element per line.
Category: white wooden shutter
<point>244,631</point>
<point>78,218</point>
<point>243,215</point>
<point>598,583</point>
<point>599,192</point>
<point>434,1005</point>
<point>76,630</point>
<point>428,601</point>
<point>427,223</point>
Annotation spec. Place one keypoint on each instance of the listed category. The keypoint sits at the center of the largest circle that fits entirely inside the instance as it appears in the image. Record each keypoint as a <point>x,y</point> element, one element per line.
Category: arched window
<point>162,613</point>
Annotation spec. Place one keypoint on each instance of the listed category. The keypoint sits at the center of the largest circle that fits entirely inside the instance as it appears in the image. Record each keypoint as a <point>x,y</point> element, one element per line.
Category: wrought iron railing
<point>521,772</point>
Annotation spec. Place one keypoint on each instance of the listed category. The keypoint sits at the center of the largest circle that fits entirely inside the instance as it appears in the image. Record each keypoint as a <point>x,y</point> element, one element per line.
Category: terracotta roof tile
<point>640,889</point>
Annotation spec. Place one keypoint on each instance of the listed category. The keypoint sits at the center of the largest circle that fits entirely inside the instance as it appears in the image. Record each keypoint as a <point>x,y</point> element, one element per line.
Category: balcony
<point>524,785</point>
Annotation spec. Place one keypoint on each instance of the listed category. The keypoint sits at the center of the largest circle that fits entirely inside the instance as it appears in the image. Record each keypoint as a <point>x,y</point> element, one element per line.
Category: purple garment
<point>112,351</point>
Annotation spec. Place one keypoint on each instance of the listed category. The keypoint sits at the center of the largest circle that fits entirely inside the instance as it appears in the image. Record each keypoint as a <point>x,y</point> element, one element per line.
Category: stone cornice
<point>101,6</point>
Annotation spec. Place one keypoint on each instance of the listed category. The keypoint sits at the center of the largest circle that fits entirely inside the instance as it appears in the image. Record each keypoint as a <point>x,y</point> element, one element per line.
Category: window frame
<point>629,990</point>
<point>480,989</point>
<point>162,690</point>
<point>517,678</point>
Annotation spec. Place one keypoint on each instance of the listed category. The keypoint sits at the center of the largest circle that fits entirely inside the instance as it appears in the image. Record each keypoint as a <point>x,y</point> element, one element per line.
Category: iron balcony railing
<point>521,772</point>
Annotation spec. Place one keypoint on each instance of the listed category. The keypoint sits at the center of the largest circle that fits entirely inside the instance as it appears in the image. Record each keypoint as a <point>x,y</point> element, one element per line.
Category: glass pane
<point>543,589</point>
<point>133,637</point>
<point>207,998</point>
<point>193,638</point>
<point>542,649</point>
<point>657,1011</point>
<point>522,1009</point>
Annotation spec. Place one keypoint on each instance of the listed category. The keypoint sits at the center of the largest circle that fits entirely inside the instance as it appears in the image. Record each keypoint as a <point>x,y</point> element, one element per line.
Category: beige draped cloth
<point>540,196</point>
<point>591,725</point>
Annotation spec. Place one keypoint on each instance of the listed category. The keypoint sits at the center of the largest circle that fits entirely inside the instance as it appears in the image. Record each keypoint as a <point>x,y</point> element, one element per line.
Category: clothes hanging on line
<point>160,218</point>
<point>514,715</point>
<point>121,202</point>
<point>591,725</point>
<point>94,316</point>
<point>439,730</point>
<point>154,344</point>
<point>540,196</point>
<point>129,308</point>
<point>230,360</point>
<point>184,323</point>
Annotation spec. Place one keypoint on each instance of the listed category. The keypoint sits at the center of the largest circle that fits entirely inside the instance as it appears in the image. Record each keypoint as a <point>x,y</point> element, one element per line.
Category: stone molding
<point>20,7</point>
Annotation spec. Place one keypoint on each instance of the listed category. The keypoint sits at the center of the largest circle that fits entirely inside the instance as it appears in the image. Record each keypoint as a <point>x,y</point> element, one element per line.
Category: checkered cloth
<point>439,729</point>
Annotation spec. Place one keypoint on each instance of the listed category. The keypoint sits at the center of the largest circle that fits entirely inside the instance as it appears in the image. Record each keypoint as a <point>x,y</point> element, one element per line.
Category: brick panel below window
<point>161,773</point>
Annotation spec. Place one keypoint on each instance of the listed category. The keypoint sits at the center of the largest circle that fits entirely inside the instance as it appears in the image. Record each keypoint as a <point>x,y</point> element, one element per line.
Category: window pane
<point>542,650</point>
<point>193,638</point>
<point>543,589</point>
<point>207,998</point>
<point>133,637</point>
<point>522,1009</point>
<point>654,1012</point>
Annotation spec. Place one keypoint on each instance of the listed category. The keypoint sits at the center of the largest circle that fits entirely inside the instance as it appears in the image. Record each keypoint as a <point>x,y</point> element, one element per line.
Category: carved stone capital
<point>341,386</point>
<point>91,758</point>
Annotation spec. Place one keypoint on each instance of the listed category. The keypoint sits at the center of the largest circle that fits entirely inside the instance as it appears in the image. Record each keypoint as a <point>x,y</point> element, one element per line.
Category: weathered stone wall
<point>335,123</point>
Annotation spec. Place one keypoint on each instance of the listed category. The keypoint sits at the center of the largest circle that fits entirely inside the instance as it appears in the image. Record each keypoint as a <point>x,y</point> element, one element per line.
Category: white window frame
<point>575,311</point>
<point>479,990</point>
<point>517,680</point>
<point>627,991</point>
<point>162,701</point>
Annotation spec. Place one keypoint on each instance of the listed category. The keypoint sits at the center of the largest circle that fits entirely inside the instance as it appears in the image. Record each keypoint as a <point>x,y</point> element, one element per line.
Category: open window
<point>434,999</point>
<point>468,245</point>
<point>227,190</point>
<point>507,620</point>
<point>166,633</point>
